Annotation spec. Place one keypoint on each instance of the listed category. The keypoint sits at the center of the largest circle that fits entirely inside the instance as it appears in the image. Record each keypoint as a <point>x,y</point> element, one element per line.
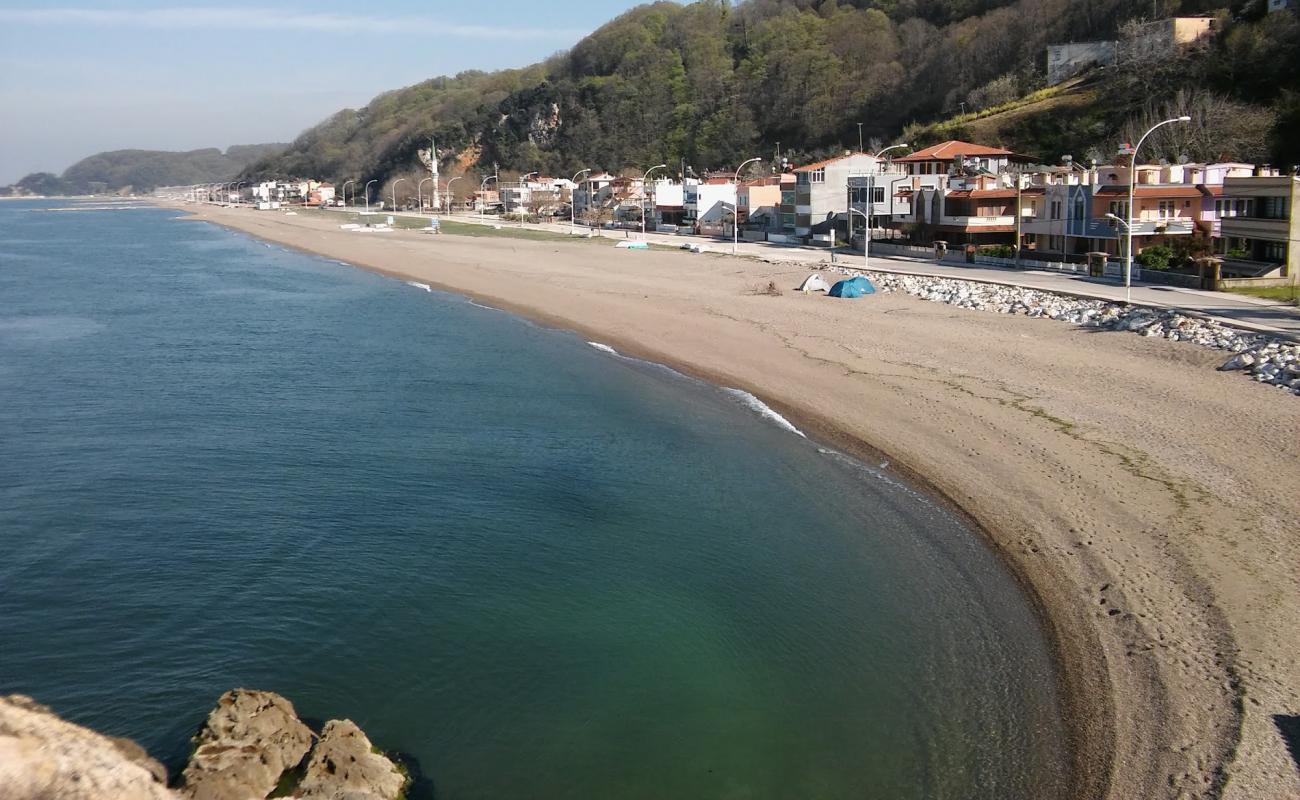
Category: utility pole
<point>433,173</point>
<point>860,137</point>
<point>1019,216</point>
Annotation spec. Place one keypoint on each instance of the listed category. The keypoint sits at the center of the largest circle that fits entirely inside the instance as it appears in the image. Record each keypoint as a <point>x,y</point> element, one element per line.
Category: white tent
<point>814,283</point>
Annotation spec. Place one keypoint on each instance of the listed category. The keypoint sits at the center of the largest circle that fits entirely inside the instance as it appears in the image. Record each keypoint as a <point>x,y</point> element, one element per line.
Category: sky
<point>83,77</point>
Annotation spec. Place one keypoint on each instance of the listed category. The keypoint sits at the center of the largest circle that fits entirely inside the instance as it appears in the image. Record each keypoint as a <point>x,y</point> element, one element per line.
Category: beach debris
<point>814,283</point>
<point>695,248</point>
<point>1268,359</point>
<point>626,245</point>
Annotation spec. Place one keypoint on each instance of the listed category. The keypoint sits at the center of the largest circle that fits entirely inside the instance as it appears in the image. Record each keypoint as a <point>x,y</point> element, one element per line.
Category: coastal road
<point>1242,311</point>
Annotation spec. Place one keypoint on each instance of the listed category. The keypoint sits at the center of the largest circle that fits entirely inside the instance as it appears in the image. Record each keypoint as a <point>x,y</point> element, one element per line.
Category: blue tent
<point>853,287</point>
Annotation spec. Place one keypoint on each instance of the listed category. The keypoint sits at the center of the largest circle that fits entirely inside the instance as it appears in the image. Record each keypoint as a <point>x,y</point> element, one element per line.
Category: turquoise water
<point>539,569</point>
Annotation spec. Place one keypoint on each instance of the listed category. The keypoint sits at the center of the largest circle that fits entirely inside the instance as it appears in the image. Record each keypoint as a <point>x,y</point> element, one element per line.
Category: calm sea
<point>539,569</point>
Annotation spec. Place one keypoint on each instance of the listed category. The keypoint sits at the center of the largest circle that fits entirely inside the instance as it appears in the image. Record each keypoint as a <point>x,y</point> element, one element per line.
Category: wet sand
<point>1147,502</point>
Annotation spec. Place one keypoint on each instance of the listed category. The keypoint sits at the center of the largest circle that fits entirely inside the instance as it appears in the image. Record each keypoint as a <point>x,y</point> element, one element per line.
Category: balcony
<point>1255,228</point>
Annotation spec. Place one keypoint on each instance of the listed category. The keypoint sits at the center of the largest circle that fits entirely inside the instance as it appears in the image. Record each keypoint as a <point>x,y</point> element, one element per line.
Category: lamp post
<point>367,193</point>
<point>449,195</point>
<point>523,208</point>
<point>871,207</point>
<point>866,263</point>
<point>735,218</point>
<point>482,191</point>
<point>345,193</point>
<point>399,180</point>
<point>573,217</point>
<point>644,178</point>
<point>419,197</point>
<point>1132,190</point>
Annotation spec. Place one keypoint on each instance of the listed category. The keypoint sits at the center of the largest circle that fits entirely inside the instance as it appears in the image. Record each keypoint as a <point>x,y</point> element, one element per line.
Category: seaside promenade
<point>1243,311</point>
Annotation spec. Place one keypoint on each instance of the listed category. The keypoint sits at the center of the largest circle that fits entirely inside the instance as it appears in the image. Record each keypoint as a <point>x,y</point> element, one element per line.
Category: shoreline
<point>1112,754</point>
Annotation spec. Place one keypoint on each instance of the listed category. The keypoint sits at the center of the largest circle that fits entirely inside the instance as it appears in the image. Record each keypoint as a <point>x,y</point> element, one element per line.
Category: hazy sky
<point>79,78</point>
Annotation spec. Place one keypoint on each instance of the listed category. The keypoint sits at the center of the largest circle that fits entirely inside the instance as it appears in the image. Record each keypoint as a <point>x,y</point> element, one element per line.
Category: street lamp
<point>866,262</point>
<point>419,198</point>
<point>644,178</point>
<point>871,207</point>
<point>523,208</point>
<point>399,180</point>
<point>449,195</point>
<point>345,193</point>
<point>367,193</point>
<point>482,193</point>
<point>1132,190</point>
<point>573,219</point>
<point>735,217</point>
<point>892,147</point>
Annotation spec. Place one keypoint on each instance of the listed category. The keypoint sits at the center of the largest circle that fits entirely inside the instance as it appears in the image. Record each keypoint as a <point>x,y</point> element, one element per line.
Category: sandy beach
<point>1147,501</point>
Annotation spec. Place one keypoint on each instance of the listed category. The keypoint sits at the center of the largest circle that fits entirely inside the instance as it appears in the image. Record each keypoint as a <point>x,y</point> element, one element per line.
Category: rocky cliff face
<point>43,757</point>
<point>252,745</point>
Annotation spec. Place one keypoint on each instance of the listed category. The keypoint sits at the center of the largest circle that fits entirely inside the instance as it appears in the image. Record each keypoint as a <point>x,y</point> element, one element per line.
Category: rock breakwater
<point>253,745</point>
<point>1267,359</point>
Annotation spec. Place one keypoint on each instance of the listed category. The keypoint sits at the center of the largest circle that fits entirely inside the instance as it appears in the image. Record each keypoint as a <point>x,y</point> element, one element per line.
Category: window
<point>1056,243</point>
<point>1273,207</point>
<point>787,220</point>
<point>1119,208</point>
<point>818,175</point>
<point>858,195</point>
<point>1078,212</point>
<point>1056,209</point>
<point>1167,209</point>
<point>1274,251</point>
<point>1223,208</point>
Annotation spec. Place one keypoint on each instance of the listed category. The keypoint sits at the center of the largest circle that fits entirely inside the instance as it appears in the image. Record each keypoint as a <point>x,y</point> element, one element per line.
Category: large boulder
<point>346,766</point>
<point>249,741</point>
<point>43,756</point>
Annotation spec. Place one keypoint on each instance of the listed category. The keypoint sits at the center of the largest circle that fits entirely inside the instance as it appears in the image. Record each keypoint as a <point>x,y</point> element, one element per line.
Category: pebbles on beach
<point>1267,359</point>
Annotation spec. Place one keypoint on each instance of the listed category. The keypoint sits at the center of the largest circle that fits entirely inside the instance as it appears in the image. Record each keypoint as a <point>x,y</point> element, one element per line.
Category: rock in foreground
<point>346,766</point>
<point>44,757</point>
<point>250,739</point>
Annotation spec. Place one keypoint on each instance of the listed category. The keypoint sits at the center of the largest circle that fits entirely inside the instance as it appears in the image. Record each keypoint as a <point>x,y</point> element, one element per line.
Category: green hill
<point>143,170</point>
<point>709,84</point>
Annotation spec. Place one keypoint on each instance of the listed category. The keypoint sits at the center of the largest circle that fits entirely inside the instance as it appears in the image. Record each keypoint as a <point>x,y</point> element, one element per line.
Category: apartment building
<point>1262,235</point>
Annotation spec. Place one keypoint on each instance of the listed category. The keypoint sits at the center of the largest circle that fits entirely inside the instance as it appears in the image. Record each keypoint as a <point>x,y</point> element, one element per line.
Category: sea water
<point>535,567</point>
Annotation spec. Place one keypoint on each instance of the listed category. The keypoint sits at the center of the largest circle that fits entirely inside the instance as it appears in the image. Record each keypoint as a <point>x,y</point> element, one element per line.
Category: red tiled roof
<point>825,162</point>
<point>947,151</point>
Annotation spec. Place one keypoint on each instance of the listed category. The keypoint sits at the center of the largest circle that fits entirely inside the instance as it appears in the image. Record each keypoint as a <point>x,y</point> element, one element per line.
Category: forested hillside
<point>709,84</point>
<point>143,170</point>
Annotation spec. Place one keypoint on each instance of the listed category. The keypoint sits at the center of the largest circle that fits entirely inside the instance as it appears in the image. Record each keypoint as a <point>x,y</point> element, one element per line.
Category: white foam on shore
<point>763,409</point>
<point>480,305</point>
<point>419,285</point>
<point>748,400</point>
